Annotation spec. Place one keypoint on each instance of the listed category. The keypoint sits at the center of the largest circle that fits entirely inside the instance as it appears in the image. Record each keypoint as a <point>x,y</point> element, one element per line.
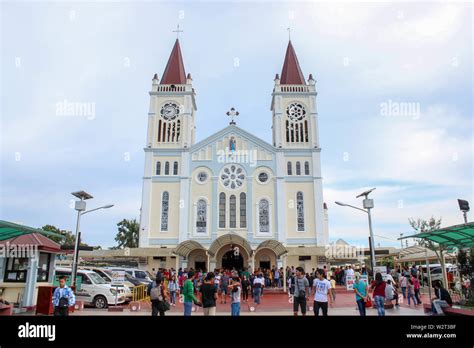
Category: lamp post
<point>80,206</point>
<point>464,207</point>
<point>367,204</point>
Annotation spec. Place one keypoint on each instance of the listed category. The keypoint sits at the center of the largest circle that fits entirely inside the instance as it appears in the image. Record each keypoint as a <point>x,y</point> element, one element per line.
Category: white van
<point>143,276</point>
<point>107,275</point>
<point>94,289</point>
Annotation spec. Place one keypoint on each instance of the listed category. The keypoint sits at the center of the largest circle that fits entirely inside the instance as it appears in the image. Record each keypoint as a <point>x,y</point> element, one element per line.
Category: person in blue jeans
<point>378,287</point>
<point>258,284</point>
<point>235,291</point>
<point>188,294</point>
<point>360,289</point>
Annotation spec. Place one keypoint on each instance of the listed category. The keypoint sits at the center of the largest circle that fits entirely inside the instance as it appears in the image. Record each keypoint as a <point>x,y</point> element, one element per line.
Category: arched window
<point>222,210</point>
<point>165,206</point>
<point>306,168</point>
<point>167,168</point>
<point>263,216</point>
<point>201,216</point>
<point>300,211</point>
<point>158,168</point>
<point>175,168</point>
<point>290,171</point>
<point>243,210</point>
<point>232,212</point>
<point>298,168</point>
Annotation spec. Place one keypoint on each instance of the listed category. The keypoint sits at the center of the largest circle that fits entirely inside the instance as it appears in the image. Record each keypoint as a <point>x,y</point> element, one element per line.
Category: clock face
<point>169,111</point>
<point>296,112</point>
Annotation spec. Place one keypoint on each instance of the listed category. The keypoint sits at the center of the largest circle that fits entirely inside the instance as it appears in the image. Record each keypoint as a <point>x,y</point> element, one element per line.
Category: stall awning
<point>32,240</point>
<point>457,236</point>
<point>10,230</point>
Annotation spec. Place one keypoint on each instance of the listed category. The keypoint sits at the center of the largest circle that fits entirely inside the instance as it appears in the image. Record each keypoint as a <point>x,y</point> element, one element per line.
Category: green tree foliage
<point>127,235</point>
<point>69,237</point>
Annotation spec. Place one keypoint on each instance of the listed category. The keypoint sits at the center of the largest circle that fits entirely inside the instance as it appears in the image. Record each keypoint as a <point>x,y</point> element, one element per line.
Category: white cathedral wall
<point>263,191</point>
<point>155,210</point>
<point>291,188</point>
<point>200,191</point>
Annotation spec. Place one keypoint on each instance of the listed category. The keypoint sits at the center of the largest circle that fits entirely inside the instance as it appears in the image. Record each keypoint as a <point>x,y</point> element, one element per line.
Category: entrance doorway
<point>231,261</point>
<point>200,266</point>
<point>264,265</point>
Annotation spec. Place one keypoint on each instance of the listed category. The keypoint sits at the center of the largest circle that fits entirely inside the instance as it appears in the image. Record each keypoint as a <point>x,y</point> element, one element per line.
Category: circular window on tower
<point>232,177</point>
<point>296,112</point>
<point>202,177</point>
<point>263,177</point>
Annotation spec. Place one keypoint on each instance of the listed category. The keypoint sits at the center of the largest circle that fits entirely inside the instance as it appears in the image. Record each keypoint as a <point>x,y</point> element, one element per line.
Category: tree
<point>421,226</point>
<point>69,238</point>
<point>127,235</point>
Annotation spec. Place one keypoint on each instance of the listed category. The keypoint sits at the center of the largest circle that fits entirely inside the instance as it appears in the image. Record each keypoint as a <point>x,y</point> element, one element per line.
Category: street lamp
<point>368,204</point>
<point>464,207</point>
<point>80,206</point>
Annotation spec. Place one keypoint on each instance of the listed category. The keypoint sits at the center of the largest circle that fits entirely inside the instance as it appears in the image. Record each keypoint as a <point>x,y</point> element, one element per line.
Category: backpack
<point>156,293</point>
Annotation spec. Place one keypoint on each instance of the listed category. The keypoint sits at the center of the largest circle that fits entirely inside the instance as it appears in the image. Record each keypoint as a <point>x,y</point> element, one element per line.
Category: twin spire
<point>175,74</point>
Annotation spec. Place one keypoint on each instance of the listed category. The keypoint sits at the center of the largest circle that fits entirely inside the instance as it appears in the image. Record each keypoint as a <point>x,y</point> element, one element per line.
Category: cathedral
<point>232,199</point>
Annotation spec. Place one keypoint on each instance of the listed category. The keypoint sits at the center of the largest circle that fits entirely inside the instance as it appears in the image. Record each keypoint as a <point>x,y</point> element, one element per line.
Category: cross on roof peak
<point>177,31</point>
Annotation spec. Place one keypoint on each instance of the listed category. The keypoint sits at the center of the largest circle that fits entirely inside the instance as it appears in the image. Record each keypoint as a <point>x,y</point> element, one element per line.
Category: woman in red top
<point>416,286</point>
<point>378,287</point>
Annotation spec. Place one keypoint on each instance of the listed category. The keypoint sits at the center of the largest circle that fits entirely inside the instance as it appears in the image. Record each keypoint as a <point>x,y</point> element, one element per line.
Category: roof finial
<point>177,31</point>
<point>289,33</point>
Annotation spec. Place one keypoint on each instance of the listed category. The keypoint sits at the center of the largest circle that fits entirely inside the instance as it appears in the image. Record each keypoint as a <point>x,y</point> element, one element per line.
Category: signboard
<point>350,282</point>
<point>118,278</point>
<point>382,270</point>
<point>351,279</point>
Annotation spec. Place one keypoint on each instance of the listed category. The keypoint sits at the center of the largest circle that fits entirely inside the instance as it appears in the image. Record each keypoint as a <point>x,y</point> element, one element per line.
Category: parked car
<point>107,275</point>
<point>143,276</point>
<point>94,289</point>
<point>437,272</point>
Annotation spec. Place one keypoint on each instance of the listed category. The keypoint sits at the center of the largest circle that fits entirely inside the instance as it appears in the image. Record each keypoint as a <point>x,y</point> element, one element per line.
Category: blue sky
<point>363,56</point>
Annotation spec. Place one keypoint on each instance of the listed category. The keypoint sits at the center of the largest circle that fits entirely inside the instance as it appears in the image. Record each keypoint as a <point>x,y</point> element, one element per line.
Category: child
<point>333,287</point>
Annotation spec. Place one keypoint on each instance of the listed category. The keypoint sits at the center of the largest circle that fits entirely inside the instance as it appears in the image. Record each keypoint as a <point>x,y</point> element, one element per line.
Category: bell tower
<point>294,106</point>
<point>172,106</point>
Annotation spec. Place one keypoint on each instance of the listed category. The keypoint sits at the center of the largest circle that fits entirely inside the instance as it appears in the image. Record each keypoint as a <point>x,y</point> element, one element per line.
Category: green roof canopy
<point>11,230</point>
<point>459,236</point>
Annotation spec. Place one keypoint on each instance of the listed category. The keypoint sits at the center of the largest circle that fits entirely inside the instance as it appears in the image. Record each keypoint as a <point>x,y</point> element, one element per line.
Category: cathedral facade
<point>232,199</point>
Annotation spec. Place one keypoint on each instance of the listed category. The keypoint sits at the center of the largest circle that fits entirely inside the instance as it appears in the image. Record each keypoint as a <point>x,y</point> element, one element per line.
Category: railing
<point>139,293</point>
<point>294,88</point>
<point>171,88</point>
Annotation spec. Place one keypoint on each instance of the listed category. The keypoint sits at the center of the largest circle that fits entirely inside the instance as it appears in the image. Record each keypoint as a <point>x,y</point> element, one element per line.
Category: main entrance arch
<point>232,260</point>
<point>231,251</point>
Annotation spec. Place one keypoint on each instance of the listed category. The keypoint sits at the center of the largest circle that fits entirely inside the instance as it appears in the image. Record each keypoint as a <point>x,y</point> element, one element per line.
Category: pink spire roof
<point>291,73</point>
<point>174,71</point>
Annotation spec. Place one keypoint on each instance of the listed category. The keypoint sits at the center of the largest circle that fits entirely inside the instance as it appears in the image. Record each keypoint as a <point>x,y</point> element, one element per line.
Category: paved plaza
<point>273,304</point>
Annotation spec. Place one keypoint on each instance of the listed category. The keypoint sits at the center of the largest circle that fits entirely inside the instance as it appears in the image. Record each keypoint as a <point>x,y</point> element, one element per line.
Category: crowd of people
<point>205,289</point>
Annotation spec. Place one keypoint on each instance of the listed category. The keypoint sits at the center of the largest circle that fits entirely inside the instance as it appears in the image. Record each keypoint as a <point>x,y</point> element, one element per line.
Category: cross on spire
<point>289,33</point>
<point>177,31</point>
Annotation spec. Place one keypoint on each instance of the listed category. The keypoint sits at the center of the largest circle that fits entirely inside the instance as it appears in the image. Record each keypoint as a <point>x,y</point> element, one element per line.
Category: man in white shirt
<point>350,271</point>
<point>322,288</point>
